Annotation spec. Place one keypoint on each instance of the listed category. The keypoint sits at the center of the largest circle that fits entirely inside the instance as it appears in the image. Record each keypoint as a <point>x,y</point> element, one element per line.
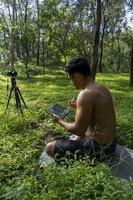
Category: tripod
<point>18,96</point>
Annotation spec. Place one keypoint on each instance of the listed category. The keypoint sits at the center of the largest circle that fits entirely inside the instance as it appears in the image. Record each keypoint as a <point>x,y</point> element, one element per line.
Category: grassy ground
<point>22,138</point>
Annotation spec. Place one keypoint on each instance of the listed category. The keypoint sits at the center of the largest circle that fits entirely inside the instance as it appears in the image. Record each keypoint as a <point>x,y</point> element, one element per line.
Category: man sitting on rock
<point>94,126</point>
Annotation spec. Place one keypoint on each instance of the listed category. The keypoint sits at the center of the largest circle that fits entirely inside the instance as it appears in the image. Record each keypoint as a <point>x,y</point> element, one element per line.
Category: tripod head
<point>12,73</point>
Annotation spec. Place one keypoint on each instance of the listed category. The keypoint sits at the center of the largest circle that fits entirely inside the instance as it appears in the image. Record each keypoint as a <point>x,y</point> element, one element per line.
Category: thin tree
<point>103,28</point>
<point>131,67</point>
<point>96,40</point>
<point>26,42</point>
<point>12,47</point>
<point>38,32</point>
<point>119,51</point>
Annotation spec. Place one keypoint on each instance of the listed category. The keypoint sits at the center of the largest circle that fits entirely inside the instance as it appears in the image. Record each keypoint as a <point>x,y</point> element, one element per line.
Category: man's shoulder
<point>94,92</point>
<point>86,94</point>
<point>98,88</point>
<point>86,91</point>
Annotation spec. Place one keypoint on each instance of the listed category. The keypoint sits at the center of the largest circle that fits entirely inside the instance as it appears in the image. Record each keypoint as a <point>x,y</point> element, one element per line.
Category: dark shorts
<point>74,149</point>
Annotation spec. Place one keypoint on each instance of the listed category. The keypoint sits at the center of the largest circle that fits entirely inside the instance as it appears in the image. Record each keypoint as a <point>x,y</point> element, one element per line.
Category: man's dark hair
<point>78,64</point>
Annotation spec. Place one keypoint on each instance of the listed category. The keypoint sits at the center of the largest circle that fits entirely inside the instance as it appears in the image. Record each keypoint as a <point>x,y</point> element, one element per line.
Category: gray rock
<point>121,163</point>
<point>45,159</point>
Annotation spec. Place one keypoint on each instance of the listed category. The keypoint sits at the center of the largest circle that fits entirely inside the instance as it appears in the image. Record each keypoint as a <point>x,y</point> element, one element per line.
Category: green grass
<point>22,141</point>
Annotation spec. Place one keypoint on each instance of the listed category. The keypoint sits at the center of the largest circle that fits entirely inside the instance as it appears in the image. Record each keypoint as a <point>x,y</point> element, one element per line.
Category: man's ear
<point>77,76</point>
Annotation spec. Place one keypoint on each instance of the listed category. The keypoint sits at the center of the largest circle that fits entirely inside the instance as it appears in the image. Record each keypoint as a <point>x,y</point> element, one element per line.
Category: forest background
<point>49,32</point>
<point>37,38</point>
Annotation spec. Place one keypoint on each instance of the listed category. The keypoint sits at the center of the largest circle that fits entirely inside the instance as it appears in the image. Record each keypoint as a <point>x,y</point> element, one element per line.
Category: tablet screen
<point>58,110</point>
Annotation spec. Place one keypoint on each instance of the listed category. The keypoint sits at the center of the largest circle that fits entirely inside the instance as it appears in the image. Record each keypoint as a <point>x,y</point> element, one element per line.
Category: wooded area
<point>50,32</point>
<point>37,38</point>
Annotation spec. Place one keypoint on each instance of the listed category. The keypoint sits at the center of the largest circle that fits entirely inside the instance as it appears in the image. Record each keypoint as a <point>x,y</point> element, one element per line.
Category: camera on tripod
<point>12,73</point>
<point>14,88</point>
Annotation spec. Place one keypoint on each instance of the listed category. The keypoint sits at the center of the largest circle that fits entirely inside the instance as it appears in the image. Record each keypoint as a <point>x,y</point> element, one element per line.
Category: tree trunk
<point>12,47</point>
<point>26,53</point>
<point>43,57</point>
<point>96,40</point>
<point>101,47</point>
<point>5,40</point>
<point>119,54</point>
<point>131,67</point>
<point>21,28</point>
<point>38,33</point>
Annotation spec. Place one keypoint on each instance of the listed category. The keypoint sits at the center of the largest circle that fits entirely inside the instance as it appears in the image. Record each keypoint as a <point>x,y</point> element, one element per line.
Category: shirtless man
<point>94,126</point>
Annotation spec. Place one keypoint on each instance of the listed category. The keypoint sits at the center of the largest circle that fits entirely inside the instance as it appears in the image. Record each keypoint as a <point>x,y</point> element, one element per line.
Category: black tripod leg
<point>9,99</point>
<point>16,98</point>
<point>18,103</point>
<point>21,97</point>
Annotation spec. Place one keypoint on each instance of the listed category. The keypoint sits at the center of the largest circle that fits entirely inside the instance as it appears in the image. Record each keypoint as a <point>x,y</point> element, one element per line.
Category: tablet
<point>59,110</point>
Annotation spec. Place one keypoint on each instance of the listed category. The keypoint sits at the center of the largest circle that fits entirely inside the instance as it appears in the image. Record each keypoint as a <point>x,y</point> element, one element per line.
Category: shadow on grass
<point>118,82</point>
<point>54,79</point>
<point>125,135</point>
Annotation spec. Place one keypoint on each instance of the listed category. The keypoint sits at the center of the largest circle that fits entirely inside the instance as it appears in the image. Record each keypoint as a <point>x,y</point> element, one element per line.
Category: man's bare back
<point>102,127</point>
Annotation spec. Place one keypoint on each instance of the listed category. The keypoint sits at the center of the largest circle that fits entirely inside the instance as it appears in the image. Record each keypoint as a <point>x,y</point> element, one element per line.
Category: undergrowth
<point>23,137</point>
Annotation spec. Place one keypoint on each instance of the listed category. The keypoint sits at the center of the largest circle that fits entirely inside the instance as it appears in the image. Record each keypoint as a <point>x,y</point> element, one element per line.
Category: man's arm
<point>82,117</point>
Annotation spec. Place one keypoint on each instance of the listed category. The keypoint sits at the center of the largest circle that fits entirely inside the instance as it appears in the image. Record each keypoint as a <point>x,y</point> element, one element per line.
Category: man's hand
<point>56,118</point>
<point>75,137</point>
<point>72,103</point>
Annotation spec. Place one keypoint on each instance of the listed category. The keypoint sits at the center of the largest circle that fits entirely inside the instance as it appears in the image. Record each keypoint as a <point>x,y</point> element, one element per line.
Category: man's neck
<point>87,82</point>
